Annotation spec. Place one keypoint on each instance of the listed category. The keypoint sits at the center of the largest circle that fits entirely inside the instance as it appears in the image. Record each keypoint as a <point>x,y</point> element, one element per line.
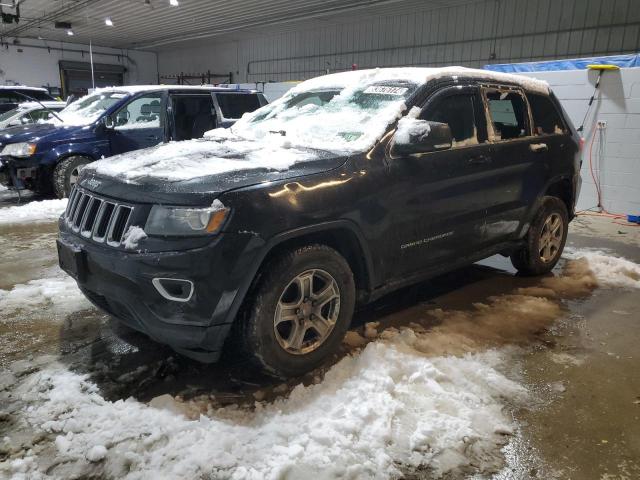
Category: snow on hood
<point>177,161</point>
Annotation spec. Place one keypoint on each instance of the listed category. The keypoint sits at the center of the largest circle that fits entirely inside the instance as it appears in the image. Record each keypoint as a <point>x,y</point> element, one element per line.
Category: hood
<point>200,170</point>
<point>36,132</point>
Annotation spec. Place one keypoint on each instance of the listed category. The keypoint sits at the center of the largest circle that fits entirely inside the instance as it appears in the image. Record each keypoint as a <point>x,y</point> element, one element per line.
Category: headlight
<point>19,149</point>
<point>185,221</point>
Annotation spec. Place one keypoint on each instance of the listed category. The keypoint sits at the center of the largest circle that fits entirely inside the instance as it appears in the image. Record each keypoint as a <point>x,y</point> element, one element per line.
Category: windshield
<point>337,119</point>
<point>88,109</point>
<point>7,115</point>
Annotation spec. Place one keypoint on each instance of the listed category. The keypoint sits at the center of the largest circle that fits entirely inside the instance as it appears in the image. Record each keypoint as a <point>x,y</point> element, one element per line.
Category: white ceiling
<point>151,24</point>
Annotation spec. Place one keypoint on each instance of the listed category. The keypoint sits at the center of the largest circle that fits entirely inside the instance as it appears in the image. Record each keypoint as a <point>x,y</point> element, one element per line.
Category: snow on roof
<point>13,87</point>
<point>49,104</point>
<point>344,128</point>
<point>418,75</point>
<point>132,89</point>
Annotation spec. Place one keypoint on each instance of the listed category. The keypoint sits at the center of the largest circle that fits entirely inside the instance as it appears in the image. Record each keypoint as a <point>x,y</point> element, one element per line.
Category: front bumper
<point>121,283</point>
<point>22,172</point>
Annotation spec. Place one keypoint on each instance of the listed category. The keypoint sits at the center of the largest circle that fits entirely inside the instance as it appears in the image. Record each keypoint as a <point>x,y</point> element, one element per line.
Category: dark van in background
<point>48,157</point>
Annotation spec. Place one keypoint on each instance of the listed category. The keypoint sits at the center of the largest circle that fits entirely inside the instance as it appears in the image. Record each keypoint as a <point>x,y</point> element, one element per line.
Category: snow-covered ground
<point>609,270</point>
<point>376,414</point>
<point>33,212</point>
<point>411,399</point>
<point>55,292</point>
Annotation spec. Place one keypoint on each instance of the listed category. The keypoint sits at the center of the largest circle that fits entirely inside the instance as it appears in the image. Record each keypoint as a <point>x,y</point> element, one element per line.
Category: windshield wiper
<point>41,104</point>
<point>281,132</point>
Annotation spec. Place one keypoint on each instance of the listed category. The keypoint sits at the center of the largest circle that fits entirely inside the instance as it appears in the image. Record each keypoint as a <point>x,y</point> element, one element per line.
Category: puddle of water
<point>27,250</point>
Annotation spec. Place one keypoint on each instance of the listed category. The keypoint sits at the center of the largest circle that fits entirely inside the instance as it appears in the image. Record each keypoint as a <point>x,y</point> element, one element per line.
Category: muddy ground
<point>578,352</point>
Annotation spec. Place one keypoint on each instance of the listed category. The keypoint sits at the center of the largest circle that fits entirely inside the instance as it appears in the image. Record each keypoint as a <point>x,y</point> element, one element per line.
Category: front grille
<point>97,218</point>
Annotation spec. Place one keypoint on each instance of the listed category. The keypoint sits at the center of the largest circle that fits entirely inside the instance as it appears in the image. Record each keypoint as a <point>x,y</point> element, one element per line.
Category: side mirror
<point>420,136</point>
<point>109,122</point>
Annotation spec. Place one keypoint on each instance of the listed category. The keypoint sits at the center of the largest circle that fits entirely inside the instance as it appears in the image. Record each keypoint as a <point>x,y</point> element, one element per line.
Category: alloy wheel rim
<point>550,238</point>
<point>307,312</point>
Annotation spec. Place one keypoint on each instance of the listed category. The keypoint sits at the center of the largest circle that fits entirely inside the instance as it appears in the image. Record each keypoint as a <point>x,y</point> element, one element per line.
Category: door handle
<point>479,160</point>
<point>538,147</point>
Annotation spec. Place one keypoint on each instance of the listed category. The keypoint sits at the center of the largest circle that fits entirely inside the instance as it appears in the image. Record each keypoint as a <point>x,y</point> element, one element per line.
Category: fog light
<point>174,289</point>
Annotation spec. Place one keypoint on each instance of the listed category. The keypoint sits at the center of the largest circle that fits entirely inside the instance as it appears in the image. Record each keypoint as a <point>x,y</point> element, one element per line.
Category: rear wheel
<point>545,239</point>
<point>66,173</point>
<point>299,312</point>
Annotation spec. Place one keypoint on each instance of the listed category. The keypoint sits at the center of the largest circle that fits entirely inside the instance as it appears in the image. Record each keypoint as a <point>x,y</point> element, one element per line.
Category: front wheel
<point>299,312</point>
<point>66,173</point>
<point>545,239</point>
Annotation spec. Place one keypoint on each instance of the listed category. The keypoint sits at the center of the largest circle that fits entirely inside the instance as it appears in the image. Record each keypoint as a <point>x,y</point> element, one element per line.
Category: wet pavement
<point>577,352</point>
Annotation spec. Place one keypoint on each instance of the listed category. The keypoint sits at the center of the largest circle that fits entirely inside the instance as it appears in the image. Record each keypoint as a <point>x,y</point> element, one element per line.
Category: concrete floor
<point>582,362</point>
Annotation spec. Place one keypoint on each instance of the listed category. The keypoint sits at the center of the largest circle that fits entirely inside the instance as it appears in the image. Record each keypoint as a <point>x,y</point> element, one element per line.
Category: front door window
<point>143,112</point>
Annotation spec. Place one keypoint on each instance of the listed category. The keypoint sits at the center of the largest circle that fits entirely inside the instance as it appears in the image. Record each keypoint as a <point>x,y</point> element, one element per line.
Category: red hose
<point>595,182</point>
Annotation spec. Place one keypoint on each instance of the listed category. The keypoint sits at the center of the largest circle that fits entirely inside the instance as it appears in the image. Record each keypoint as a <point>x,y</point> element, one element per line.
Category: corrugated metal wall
<point>470,34</point>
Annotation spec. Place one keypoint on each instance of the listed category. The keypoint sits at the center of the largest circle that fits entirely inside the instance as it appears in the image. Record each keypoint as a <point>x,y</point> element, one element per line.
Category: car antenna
<point>41,104</point>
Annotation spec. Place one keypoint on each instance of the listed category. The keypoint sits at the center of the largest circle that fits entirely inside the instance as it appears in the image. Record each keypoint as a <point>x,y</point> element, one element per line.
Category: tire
<point>273,347</point>
<point>539,256</point>
<point>65,173</point>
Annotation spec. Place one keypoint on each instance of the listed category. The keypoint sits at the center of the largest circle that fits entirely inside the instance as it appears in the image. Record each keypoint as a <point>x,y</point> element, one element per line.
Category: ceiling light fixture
<point>70,33</point>
<point>174,3</point>
<point>108,22</point>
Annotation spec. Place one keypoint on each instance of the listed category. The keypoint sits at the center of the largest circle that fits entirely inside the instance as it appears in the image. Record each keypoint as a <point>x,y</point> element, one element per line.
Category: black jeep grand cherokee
<point>267,236</point>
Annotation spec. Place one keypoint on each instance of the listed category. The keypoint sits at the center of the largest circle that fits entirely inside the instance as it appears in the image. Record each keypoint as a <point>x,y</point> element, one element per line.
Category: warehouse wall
<point>39,66</point>
<point>615,154</point>
<point>406,33</point>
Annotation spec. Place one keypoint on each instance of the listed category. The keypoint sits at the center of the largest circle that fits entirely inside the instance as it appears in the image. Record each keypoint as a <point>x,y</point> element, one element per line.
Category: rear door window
<point>507,114</point>
<point>234,105</point>
<point>546,118</point>
<point>192,116</point>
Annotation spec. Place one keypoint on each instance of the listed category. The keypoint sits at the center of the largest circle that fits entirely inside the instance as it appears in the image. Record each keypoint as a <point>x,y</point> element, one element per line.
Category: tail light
<point>581,147</point>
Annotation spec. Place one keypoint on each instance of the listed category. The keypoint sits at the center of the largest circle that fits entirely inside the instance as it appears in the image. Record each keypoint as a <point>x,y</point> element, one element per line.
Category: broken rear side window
<point>546,119</point>
<point>508,113</point>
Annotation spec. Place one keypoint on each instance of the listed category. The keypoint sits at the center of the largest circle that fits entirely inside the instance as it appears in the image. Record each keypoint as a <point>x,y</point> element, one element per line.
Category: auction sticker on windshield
<point>381,89</point>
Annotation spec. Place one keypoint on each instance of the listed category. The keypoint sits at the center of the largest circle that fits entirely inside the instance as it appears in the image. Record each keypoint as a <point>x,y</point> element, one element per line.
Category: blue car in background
<point>48,157</point>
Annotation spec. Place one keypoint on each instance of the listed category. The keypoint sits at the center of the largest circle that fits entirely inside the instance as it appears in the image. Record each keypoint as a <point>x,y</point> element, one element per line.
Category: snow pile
<point>609,270</point>
<point>58,293</point>
<point>32,212</point>
<point>384,411</point>
<point>132,236</point>
<point>177,161</point>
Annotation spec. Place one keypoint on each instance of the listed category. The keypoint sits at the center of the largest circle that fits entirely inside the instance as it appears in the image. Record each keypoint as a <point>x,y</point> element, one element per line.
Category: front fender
<point>280,238</point>
<point>93,150</point>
